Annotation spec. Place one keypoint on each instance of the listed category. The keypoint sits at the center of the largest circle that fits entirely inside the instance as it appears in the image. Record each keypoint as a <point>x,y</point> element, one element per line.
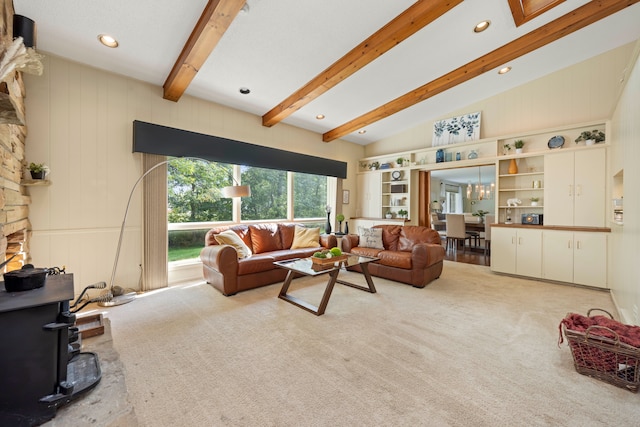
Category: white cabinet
<point>516,251</point>
<point>369,195</point>
<point>574,193</point>
<point>575,257</point>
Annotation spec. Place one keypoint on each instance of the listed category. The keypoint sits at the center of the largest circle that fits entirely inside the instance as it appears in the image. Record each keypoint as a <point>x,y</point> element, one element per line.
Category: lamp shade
<point>25,28</point>
<point>236,191</point>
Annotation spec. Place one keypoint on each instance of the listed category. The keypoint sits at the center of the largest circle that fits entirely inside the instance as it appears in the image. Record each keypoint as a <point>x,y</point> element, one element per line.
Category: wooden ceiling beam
<point>422,13</point>
<point>525,10</point>
<point>214,21</point>
<point>554,30</point>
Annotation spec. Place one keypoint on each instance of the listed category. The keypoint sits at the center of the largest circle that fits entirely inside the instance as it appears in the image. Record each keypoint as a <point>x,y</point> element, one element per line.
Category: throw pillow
<point>228,237</point>
<point>304,237</point>
<point>371,238</point>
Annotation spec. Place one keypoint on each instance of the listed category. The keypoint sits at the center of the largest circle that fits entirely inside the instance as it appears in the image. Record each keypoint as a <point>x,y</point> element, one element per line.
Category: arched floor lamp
<point>116,294</point>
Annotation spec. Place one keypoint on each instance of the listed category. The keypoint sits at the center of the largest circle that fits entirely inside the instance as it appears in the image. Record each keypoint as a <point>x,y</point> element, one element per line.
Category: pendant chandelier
<point>480,191</point>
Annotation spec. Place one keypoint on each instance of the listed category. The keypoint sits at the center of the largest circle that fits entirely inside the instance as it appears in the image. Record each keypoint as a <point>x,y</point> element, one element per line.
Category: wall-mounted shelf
<point>36,182</point>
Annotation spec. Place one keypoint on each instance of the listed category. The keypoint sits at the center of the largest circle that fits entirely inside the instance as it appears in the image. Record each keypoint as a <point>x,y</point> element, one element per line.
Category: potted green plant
<point>518,143</point>
<point>480,214</point>
<point>388,215</point>
<point>591,137</point>
<point>400,161</point>
<point>340,218</point>
<point>374,165</point>
<point>534,201</point>
<point>38,170</point>
<point>403,213</point>
<point>505,149</point>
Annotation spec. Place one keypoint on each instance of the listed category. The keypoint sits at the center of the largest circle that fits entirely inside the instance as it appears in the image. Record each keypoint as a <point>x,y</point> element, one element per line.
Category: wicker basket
<point>604,358</point>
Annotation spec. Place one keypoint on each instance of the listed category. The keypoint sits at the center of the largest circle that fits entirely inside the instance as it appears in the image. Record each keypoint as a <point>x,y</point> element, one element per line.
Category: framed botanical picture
<point>345,197</point>
<point>457,129</point>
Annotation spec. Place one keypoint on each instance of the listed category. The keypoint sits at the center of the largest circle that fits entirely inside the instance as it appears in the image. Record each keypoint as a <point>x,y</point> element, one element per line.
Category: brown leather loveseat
<point>409,254</point>
<point>226,271</point>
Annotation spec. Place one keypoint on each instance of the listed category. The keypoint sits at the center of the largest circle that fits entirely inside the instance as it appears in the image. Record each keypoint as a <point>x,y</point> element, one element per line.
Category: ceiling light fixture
<point>504,70</point>
<point>320,116</point>
<point>108,41</point>
<point>362,132</point>
<point>481,26</point>
<point>245,90</point>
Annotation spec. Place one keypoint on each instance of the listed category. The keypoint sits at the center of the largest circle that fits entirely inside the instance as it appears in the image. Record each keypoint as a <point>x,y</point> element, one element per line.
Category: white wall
<point>79,122</point>
<point>581,93</point>
<point>624,253</point>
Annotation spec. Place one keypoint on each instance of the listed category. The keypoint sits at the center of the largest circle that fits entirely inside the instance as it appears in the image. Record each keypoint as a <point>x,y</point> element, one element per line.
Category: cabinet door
<point>528,252</point>
<point>590,259</point>
<point>557,255</point>
<point>369,195</point>
<point>558,188</point>
<point>590,173</point>
<point>503,250</point>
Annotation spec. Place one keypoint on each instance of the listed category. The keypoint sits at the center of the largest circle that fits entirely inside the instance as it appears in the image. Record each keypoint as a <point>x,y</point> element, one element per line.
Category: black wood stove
<point>41,366</point>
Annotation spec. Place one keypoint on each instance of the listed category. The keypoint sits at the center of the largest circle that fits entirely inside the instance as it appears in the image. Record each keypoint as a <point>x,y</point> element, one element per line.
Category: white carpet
<point>471,349</point>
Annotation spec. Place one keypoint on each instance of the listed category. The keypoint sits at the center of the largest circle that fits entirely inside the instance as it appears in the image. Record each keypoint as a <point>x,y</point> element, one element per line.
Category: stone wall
<point>14,197</point>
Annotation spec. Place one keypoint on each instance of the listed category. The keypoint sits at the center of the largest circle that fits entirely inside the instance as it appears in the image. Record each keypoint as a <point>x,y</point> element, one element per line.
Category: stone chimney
<point>14,196</point>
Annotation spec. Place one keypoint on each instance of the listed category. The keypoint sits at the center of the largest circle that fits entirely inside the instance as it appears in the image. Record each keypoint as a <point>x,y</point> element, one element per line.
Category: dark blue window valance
<point>162,140</point>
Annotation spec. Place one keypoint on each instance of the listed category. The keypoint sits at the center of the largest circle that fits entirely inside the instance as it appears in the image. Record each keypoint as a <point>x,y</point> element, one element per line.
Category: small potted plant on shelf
<point>505,149</point>
<point>403,213</point>
<point>374,165</point>
<point>591,137</point>
<point>388,215</point>
<point>400,161</point>
<point>38,170</point>
<point>534,201</point>
<point>518,143</point>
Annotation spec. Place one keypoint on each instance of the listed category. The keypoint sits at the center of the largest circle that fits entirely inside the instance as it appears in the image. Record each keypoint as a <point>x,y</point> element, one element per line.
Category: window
<point>195,204</point>
<point>268,199</point>
<point>309,195</point>
<point>193,191</point>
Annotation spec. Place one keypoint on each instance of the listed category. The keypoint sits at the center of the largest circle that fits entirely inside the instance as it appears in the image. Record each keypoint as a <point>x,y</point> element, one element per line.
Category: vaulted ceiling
<point>367,65</point>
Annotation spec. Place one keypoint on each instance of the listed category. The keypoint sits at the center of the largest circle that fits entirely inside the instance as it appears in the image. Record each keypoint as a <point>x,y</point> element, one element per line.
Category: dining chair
<point>442,233</point>
<point>456,231</point>
<point>488,220</point>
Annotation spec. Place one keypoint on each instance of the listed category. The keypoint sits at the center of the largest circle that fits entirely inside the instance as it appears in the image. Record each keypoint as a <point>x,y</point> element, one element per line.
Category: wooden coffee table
<point>306,267</point>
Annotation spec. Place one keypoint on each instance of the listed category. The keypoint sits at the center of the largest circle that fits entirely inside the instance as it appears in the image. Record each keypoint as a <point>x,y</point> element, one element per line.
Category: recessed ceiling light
<point>362,131</point>
<point>504,70</point>
<point>245,90</point>
<point>481,26</point>
<point>320,116</point>
<point>108,40</point>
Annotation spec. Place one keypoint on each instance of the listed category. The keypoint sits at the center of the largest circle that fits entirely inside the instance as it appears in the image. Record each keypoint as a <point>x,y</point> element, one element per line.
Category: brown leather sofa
<point>412,254</point>
<point>268,242</point>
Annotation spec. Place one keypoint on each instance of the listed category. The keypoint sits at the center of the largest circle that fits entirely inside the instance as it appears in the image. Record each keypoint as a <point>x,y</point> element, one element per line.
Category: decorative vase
<point>440,156</point>
<point>346,227</point>
<point>327,227</point>
<point>340,227</point>
<point>513,167</point>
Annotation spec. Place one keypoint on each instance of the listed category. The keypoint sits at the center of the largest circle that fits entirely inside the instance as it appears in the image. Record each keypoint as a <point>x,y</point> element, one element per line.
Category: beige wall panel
<point>624,276</point>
